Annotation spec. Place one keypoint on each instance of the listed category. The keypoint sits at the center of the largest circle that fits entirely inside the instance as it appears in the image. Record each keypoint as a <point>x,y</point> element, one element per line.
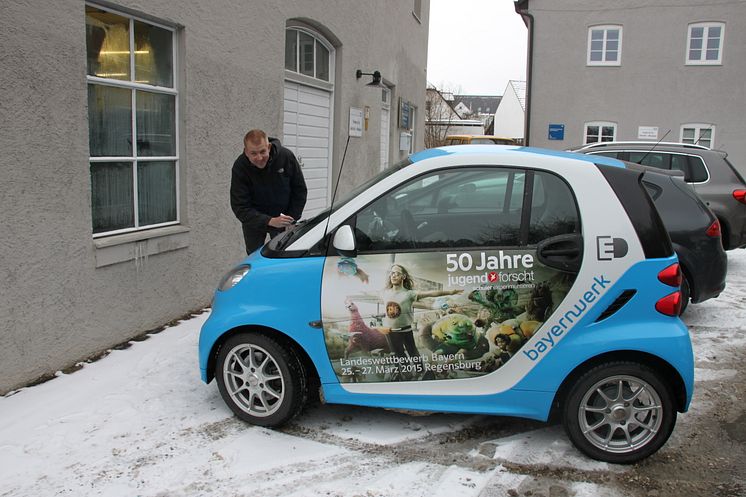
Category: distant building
<point>480,107</point>
<point>600,70</point>
<point>442,118</point>
<point>510,115</point>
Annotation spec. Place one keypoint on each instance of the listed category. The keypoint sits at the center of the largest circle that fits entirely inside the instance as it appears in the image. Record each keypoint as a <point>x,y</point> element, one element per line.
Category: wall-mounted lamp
<point>376,82</point>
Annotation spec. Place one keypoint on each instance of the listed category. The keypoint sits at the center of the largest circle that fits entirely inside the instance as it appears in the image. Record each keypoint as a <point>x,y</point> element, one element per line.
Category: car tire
<point>619,412</point>
<point>686,293</point>
<point>262,381</point>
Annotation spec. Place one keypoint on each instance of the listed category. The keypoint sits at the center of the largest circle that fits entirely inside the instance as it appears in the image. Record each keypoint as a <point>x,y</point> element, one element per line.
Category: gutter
<point>521,8</point>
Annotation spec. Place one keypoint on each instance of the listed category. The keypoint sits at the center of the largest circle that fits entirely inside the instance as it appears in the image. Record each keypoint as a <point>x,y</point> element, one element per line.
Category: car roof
<point>478,136</point>
<point>512,149</point>
<point>649,144</point>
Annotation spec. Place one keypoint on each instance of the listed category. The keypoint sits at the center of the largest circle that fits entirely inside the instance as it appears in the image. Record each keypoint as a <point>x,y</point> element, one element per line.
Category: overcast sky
<point>475,46</point>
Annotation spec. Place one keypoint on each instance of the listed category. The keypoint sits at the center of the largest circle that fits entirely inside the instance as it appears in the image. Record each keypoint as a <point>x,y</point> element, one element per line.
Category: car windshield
<point>305,225</point>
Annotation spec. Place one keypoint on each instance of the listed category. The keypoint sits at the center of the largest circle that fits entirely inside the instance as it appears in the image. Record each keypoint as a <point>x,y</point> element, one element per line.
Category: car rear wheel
<point>619,412</point>
<point>262,381</point>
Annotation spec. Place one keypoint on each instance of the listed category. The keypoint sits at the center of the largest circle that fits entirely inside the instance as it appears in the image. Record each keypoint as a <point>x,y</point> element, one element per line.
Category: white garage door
<point>307,129</point>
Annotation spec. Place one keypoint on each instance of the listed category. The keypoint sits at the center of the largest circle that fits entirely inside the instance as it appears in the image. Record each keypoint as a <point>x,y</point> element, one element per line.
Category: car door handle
<point>563,252</point>
<point>548,252</point>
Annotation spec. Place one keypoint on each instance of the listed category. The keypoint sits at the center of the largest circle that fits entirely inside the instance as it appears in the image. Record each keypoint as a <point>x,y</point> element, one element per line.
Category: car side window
<point>652,159</point>
<point>477,207</point>
<point>681,163</point>
<point>613,155</point>
<point>697,170</point>
<point>553,209</point>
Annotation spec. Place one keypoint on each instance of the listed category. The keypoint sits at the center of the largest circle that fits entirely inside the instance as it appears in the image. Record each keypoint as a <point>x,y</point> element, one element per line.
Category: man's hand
<point>281,221</point>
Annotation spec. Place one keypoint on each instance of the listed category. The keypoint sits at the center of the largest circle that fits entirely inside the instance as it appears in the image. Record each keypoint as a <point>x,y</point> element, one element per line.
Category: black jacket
<point>260,194</point>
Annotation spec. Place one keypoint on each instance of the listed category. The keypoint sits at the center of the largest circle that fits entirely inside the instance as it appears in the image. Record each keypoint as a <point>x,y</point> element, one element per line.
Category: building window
<point>599,132</point>
<point>132,122</point>
<point>704,43</point>
<point>698,134</point>
<point>604,45</point>
<point>306,54</point>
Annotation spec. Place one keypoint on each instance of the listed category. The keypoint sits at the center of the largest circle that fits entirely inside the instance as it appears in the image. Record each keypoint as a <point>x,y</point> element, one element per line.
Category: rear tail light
<point>670,305</point>
<point>671,276</point>
<point>740,195</point>
<point>714,230</point>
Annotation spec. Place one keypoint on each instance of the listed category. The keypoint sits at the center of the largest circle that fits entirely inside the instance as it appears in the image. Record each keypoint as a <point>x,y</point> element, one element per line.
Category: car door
<point>450,275</point>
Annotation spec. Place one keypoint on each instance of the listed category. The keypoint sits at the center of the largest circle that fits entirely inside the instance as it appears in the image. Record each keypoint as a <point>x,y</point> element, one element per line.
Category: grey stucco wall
<point>652,87</point>
<point>61,297</point>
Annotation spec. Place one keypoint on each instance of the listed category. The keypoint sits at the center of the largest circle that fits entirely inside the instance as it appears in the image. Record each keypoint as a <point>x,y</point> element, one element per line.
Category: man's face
<point>257,153</point>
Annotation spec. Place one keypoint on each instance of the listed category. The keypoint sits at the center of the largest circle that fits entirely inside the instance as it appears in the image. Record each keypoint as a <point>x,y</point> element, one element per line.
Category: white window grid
<point>134,159</point>
<point>704,43</point>
<point>317,39</point>
<point>603,132</point>
<point>605,40</point>
<point>698,134</point>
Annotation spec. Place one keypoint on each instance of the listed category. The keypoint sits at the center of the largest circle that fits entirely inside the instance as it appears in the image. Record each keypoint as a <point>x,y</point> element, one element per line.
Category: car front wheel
<point>619,412</point>
<point>262,381</point>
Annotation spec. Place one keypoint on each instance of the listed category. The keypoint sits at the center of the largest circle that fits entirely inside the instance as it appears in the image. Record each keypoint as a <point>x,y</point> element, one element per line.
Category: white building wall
<point>64,296</point>
<point>652,87</point>
<point>509,117</point>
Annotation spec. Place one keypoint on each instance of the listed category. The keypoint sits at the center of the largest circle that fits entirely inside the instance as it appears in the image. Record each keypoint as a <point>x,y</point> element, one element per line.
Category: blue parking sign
<point>556,131</point>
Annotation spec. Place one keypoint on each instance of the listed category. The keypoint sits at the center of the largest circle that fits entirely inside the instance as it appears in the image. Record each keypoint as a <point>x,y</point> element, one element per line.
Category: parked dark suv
<point>708,171</point>
<point>694,230</point>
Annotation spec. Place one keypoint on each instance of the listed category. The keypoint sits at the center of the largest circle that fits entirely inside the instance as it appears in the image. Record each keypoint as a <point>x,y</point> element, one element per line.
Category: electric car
<point>485,279</point>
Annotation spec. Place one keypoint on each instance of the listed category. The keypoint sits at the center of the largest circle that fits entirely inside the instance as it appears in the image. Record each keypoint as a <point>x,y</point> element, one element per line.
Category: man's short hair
<point>255,136</point>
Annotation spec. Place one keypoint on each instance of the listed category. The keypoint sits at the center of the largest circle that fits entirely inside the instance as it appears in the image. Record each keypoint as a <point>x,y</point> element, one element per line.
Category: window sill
<point>140,245</point>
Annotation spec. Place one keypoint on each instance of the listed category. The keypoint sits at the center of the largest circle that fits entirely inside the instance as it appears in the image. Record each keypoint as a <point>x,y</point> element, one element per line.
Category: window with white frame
<point>599,132</point>
<point>698,134</point>
<point>704,43</point>
<point>306,54</point>
<point>132,122</point>
<point>605,45</point>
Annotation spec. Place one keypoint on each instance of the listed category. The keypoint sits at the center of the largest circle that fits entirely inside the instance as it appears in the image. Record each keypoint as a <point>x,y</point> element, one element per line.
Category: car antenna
<point>653,147</point>
<point>334,191</point>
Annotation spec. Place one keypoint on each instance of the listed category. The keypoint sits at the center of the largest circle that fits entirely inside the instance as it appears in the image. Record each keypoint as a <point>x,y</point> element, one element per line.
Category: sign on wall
<point>556,132</point>
<point>356,122</point>
<point>405,114</point>
<point>647,133</point>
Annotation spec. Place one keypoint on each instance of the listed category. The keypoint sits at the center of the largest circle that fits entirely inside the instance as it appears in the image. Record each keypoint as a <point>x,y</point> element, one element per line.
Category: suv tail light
<point>714,230</point>
<point>740,195</point>
<point>670,305</point>
<point>671,276</point>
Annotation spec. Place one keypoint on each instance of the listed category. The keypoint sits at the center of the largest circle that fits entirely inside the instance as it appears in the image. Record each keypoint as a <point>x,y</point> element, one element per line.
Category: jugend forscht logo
<point>494,267</point>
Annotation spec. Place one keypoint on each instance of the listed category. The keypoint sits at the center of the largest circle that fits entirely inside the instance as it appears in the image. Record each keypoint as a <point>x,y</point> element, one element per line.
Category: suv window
<point>697,170</point>
<point>465,208</point>
<point>652,159</point>
<point>692,166</point>
<point>613,155</point>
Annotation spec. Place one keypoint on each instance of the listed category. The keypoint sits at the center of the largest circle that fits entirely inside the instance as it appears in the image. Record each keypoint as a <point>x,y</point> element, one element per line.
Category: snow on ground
<point>141,422</point>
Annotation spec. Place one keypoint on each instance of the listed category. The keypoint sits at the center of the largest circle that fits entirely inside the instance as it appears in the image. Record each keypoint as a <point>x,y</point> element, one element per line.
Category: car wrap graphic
<point>434,316</point>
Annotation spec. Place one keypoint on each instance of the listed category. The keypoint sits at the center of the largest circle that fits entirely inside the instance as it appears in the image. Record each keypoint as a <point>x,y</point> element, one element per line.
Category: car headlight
<point>232,278</point>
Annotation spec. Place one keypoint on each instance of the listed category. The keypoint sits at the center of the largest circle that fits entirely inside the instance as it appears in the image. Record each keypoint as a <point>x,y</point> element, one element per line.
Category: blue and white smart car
<point>483,279</point>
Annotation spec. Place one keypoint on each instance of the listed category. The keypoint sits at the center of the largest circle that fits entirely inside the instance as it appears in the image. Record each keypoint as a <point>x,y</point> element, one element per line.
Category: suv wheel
<point>262,381</point>
<point>619,412</point>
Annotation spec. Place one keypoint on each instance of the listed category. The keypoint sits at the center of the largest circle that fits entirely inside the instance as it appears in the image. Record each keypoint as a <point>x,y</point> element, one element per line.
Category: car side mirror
<point>344,241</point>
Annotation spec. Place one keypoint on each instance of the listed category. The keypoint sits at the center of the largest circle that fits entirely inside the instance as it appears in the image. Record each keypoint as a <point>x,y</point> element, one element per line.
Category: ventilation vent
<point>617,304</point>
